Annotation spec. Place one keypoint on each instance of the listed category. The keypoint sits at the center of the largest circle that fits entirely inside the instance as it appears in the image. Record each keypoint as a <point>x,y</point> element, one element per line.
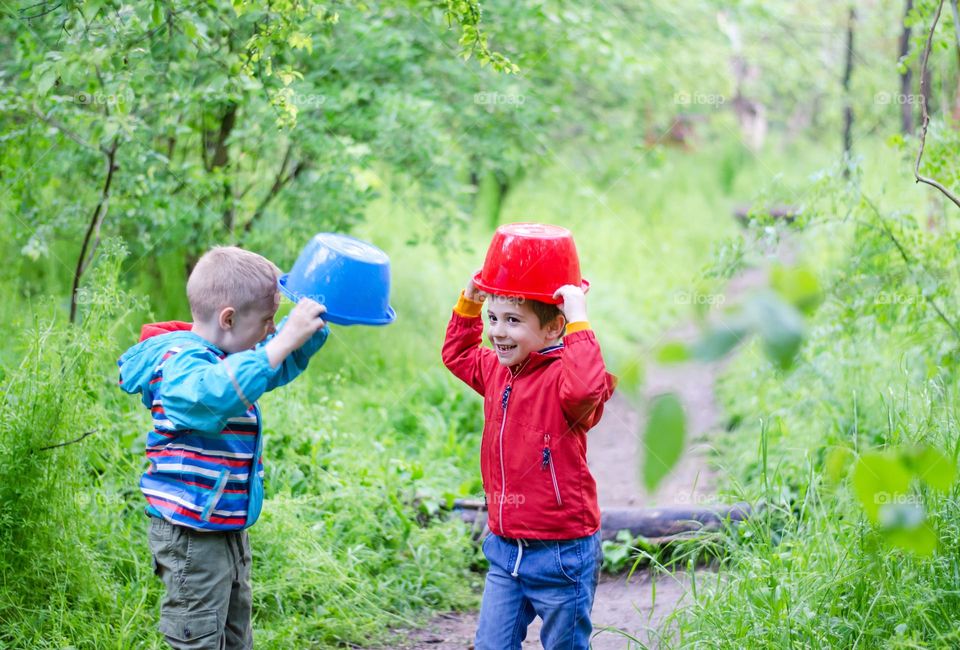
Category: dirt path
<point>613,457</point>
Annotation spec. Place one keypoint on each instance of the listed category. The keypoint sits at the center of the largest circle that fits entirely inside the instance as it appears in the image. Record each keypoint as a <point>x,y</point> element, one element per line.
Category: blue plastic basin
<point>349,276</point>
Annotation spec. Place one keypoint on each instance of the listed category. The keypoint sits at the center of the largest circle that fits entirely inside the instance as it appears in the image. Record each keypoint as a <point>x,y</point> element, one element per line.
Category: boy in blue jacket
<point>204,486</point>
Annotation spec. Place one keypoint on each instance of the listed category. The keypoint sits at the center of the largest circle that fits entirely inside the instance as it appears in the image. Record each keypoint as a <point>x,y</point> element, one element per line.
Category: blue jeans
<point>555,580</point>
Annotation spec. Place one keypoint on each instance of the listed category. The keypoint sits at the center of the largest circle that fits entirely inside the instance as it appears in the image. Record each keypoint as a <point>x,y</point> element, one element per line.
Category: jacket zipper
<point>503,472</point>
<point>548,463</point>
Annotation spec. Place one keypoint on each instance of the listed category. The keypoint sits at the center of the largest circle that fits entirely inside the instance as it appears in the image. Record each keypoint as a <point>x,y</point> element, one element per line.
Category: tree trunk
<point>92,237</point>
<point>848,107</point>
<point>751,114</point>
<point>956,33</point>
<point>217,155</point>
<point>907,124</point>
<point>503,188</point>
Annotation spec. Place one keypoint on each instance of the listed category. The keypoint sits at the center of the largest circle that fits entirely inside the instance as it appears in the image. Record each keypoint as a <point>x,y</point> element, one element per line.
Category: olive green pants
<point>207,604</point>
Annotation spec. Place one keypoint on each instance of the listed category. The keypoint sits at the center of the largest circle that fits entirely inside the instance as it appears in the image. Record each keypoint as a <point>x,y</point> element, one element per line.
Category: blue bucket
<point>349,276</point>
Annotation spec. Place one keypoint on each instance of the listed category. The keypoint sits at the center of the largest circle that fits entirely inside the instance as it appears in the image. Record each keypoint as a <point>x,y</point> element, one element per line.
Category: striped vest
<point>201,480</point>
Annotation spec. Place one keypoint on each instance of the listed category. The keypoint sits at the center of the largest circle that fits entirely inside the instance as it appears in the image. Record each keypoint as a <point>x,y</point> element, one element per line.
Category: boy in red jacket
<point>544,385</point>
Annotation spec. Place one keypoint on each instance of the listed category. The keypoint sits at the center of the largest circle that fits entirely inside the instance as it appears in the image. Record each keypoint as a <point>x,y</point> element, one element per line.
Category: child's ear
<point>227,315</point>
<point>556,327</point>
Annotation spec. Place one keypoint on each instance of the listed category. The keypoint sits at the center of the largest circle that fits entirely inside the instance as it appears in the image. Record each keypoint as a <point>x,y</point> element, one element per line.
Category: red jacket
<point>533,454</point>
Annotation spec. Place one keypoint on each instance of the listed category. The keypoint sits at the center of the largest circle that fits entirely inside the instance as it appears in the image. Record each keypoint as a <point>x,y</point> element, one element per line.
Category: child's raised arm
<point>300,335</point>
<point>463,353</point>
<point>585,383</point>
<point>303,322</point>
<point>200,391</point>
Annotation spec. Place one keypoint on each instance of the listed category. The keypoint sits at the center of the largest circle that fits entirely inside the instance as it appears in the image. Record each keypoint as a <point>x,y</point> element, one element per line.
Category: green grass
<point>363,450</point>
<point>878,370</point>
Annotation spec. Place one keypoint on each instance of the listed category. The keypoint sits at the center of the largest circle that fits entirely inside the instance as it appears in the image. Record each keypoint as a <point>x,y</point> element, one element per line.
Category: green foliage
<point>881,482</point>
<point>261,123</point>
<point>773,316</point>
<point>344,528</point>
<point>873,389</point>
<point>53,426</point>
<point>662,439</point>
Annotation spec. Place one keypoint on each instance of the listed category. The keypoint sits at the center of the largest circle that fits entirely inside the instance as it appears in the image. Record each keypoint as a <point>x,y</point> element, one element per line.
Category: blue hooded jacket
<point>206,469</point>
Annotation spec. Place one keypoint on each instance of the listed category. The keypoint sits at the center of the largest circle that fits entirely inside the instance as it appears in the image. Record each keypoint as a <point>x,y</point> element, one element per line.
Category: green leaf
<point>673,352</point>
<point>780,326</point>
<point>662,439</point>
<point>718,341</point>
<point>837,463</point>
<point>798,286</point>
<point>878,478</point>
<point>46,81</point>
<point>300,41</point>
<point>921,540</point>
<point>932,467</point>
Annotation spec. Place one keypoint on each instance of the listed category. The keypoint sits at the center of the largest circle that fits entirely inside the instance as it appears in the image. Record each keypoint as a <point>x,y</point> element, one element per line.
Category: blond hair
<point>227,276</point>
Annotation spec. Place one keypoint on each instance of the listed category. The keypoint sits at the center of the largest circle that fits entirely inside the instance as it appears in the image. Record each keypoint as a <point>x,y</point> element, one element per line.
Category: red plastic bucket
<point>530,260</point>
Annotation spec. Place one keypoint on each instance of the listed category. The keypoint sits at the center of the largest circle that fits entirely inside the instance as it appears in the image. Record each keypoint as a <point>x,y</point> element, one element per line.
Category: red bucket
<point>530,260</point>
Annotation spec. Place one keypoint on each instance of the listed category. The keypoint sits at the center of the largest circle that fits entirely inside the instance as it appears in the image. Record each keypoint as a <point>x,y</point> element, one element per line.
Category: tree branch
<point>906,259</point>
<point>59,126</point>
<point>956,21</point>
<point>279,182</point>
<point>93,230</point>
<point>69,442</point>
<point>926,114</point>
<point>44,9</point>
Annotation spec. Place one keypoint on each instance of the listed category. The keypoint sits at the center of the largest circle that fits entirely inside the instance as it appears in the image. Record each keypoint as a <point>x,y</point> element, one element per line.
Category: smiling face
<point>515,331</point>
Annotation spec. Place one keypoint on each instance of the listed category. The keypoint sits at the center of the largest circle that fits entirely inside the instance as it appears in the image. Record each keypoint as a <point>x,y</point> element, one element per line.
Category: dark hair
<point>545,311</point>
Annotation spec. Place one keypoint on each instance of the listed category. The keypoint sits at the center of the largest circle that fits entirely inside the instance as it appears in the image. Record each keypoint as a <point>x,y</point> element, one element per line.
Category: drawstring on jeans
<point>516,565</point>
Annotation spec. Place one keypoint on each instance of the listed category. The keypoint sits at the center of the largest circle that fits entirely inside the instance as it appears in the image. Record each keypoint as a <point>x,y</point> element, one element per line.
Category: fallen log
<point>670,521</point>
<point>666,523</point>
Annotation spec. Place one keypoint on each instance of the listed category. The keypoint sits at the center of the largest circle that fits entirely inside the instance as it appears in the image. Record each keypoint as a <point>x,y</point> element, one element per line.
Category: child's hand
<point>471,292</point>
<point>574,305</point>
<point>303,322</point>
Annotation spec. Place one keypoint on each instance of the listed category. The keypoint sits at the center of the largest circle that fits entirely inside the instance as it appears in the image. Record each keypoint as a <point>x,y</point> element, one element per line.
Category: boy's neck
<point>210,333</point>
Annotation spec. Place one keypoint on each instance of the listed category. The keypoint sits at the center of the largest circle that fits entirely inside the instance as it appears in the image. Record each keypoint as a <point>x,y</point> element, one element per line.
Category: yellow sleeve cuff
<point>578,326</point>
<point>468,308</point>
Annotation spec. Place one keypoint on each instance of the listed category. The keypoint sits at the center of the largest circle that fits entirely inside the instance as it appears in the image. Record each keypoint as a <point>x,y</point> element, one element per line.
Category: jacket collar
<point>544,355</point>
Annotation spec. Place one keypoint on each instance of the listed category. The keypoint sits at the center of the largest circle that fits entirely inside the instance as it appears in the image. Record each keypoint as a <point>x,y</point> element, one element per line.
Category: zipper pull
<point>506,397</point>
<point>546,459</point>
